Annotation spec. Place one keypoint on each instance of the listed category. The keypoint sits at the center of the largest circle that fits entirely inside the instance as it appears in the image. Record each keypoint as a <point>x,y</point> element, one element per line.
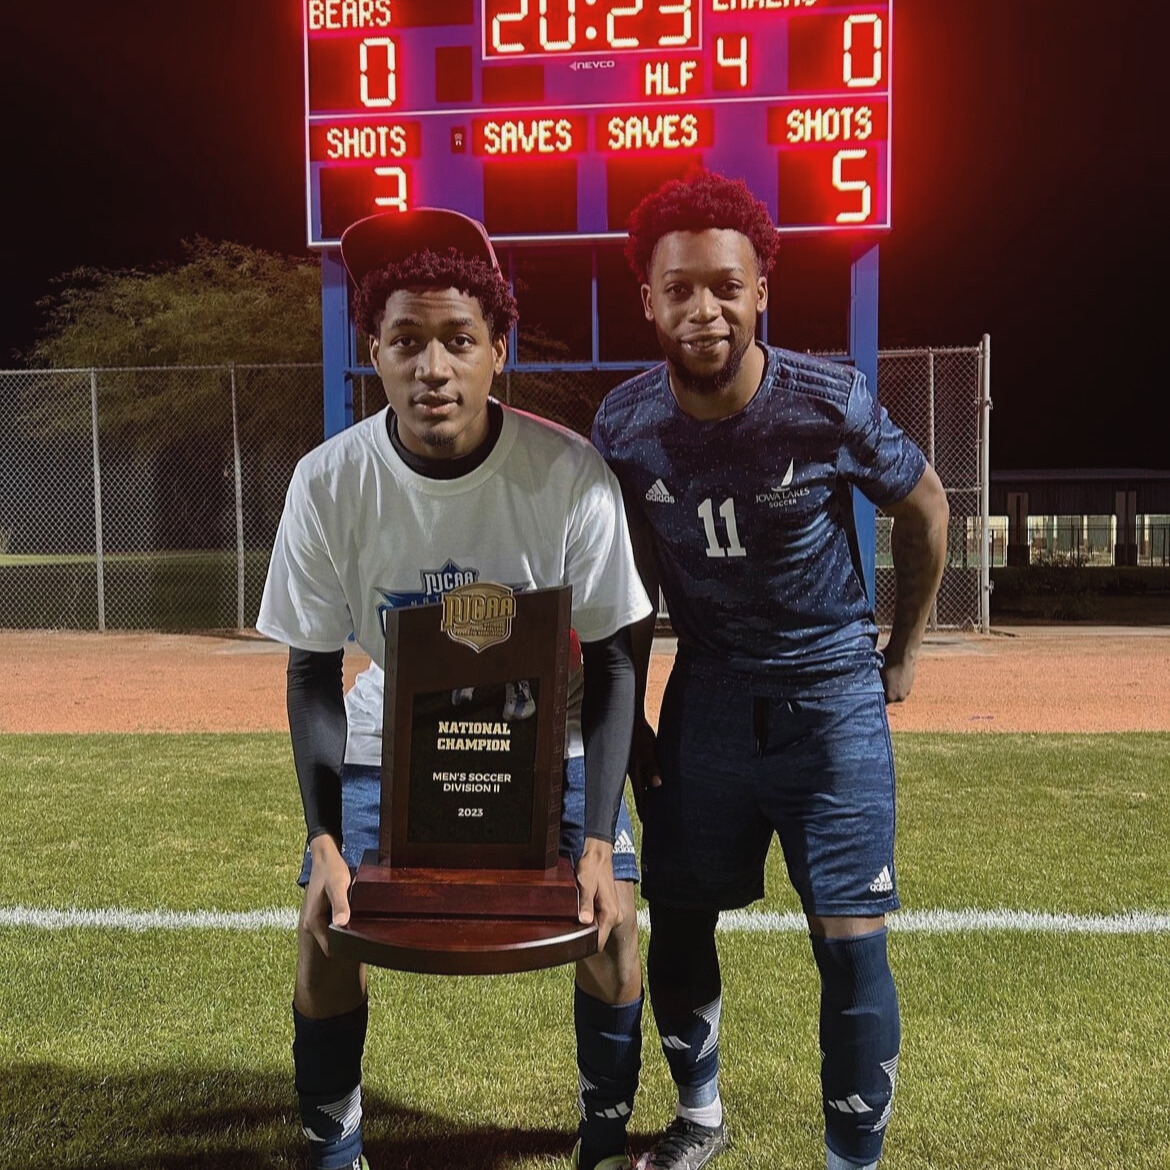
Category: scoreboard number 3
<point>392,182</point>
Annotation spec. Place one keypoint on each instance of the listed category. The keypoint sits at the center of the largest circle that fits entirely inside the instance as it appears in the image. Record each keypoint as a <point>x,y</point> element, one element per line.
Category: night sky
<point>1030,185</point>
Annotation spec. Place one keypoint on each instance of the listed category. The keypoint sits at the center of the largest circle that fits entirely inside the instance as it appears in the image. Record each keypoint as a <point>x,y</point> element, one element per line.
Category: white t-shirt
<point>362,532</point>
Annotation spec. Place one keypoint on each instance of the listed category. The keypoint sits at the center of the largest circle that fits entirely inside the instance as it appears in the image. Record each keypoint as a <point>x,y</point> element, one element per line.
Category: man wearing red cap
<point>449,486</point>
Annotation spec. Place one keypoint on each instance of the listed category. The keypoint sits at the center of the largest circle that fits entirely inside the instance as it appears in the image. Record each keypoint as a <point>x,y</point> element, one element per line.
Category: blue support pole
<point>595,326</point>
<point>863,350</point>
<point>336,344</point>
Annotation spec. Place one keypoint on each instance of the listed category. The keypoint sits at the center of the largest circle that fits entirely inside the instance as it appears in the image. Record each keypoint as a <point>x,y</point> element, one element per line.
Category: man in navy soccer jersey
<point>737,463</point>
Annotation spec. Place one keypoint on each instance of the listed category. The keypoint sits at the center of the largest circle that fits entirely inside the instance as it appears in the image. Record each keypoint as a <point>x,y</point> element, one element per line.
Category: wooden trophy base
<point>463,921</point>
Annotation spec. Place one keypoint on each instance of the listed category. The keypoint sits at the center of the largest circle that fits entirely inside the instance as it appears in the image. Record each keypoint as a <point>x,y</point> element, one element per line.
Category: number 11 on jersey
<point>727,514</point>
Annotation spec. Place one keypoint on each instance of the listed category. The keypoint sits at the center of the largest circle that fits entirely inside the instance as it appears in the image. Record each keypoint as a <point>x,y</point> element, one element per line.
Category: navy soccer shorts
<point>738,766</point>
<point>361,797</point>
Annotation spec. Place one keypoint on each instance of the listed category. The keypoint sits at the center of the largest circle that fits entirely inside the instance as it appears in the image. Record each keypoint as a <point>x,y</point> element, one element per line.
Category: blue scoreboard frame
<point>548,119</point>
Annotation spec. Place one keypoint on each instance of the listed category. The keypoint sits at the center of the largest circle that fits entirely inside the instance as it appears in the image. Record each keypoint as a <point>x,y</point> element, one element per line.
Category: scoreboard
<point>548,120</point>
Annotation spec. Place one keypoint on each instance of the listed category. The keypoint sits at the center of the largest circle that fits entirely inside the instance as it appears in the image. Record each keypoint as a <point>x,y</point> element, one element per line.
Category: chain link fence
<point>148,498</point>
<point>940,397</point>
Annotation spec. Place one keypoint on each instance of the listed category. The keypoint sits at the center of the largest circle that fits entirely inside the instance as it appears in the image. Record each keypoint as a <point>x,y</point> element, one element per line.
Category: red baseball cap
<point>378,240</point>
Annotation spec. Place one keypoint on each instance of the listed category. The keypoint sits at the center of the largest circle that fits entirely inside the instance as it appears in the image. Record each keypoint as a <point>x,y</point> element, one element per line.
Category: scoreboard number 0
<point>379,72</point>
<point>850,76</point>
<point>546,42</point>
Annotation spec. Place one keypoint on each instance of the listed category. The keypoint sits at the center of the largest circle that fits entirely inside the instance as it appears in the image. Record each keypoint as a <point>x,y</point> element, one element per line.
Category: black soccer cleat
<point>685,1145</point>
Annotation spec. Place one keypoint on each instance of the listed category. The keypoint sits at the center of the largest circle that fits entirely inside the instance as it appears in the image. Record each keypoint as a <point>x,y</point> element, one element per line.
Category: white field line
<point>969,921</point>
<point>910,921</point>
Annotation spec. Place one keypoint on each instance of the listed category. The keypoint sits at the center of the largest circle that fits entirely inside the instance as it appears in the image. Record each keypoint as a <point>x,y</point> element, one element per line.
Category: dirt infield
<point>1028,678</point>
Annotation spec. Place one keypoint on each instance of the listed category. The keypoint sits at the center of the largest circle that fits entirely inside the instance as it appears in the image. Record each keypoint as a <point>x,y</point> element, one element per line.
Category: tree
<point>222,303</point>
<point>166,432</point>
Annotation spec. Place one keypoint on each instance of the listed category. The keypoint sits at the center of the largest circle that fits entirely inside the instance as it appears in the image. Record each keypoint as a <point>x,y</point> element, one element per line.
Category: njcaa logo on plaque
<point>478,614</point>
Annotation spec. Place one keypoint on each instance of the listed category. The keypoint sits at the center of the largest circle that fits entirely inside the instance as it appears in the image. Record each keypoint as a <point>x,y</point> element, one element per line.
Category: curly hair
<point>426,269</point>
<point>701,200</point>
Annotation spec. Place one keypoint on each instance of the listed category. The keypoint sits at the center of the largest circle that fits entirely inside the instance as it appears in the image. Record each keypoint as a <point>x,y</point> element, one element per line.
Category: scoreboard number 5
<point>860,186</point>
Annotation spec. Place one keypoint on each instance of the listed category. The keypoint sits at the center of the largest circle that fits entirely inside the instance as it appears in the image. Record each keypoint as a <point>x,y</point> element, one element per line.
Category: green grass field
<point>146,902</point>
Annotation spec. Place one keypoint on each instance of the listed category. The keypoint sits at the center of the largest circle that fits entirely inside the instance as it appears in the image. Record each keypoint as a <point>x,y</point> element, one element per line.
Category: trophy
<point>467,877</point>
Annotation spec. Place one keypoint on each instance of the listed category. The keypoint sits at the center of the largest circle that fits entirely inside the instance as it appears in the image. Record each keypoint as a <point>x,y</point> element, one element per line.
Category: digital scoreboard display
<point>548,120</point>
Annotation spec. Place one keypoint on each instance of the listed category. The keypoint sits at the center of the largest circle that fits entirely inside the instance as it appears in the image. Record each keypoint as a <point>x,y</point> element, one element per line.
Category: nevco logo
<point>784,495</point>
<point>593,65</point>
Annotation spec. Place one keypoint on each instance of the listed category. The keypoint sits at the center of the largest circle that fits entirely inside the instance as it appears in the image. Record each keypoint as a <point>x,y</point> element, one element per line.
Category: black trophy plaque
<point>467,878</point>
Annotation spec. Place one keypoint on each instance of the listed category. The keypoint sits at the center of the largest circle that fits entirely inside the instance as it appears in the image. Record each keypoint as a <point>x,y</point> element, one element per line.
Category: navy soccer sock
<point>609,1057</point>
<point>327,1058</point>
<point>682,970</point>
<point>860,1037</point>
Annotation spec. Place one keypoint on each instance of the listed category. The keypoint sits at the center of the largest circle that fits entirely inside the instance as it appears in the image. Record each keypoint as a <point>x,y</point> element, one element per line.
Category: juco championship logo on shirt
<point>435,582</point>
<point>479,614</point>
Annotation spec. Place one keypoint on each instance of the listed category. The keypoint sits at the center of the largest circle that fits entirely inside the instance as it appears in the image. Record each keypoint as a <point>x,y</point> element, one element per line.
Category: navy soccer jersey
<point>752,515</point>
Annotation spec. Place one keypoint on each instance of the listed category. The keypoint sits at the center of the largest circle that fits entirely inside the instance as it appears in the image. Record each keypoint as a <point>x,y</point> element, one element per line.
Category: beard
<point>436,439</point>
<point>703,384</point>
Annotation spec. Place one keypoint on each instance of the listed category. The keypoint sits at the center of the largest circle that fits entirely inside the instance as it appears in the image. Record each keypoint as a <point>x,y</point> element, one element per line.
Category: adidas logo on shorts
<point>883,883</point>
